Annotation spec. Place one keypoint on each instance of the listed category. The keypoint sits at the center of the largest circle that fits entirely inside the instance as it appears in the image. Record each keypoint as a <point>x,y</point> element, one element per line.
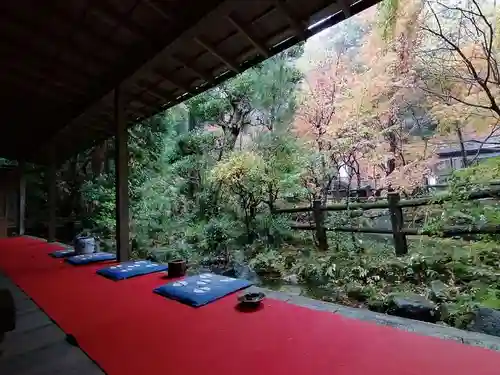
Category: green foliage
<point>241,176</point>
<point>388,11</point>
<point>242,180</point>
<point>459,211</point>
<point>270,263</point>
<point>317,270</point>
<point>100,196</point>
<point>195,196</point>
<point>267,91</point>
<point>284,162</point>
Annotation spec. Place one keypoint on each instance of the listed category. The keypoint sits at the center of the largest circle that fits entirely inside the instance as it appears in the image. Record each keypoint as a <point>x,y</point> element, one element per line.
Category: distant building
<point>449,157</point>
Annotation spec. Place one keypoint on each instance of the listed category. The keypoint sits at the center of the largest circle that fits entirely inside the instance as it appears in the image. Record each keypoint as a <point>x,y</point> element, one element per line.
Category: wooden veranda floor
<point>38,346</point>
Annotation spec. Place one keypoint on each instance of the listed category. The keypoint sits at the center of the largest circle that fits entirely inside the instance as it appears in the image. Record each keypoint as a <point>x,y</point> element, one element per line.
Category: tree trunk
<point>191,121</point>
<point>463,152</point>
<point>270,203</point>
<point>393,147</point>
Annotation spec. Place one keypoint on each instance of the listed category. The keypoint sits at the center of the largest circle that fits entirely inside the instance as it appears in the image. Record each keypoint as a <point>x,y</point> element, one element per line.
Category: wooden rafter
<point>245,31</point>
<point>346,8</point>
<point>160,11</point>
<point>67,40</point>
<point>56,10</point>
<point>210,48</point>
<point>146,108</point>
<point>59,44</point>
<point>168,78</point>
<point>41,90</point>
<point>203,75</point>
<point>153,90</point>
<point>127,15</point>
<point>66,72</point>
<point>37,54</point>
<point>42,66</point>
<point>40,77</point>
<point>124,21</point>
<point>139,98</point>
<point>48,34</point>
<point>298,26</point>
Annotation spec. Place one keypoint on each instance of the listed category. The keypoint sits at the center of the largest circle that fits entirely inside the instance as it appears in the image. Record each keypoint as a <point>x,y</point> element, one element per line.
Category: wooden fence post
<point>319,221</point>
<point>397,223</point>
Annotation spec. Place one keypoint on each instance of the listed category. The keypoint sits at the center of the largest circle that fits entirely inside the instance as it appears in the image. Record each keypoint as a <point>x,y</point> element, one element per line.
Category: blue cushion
<point>126,270</point>
<point>201,289</point>
<point>90,258</point>
<point>62,253</point>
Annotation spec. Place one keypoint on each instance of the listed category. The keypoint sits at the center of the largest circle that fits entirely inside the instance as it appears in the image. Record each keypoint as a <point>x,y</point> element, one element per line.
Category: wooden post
<point>51,180</point>
<point>7,202</point>
<point>21,200</point>
<point>3,215</point>
<point>121,184</point>
<point>397,222</point>
<point>319,221</point>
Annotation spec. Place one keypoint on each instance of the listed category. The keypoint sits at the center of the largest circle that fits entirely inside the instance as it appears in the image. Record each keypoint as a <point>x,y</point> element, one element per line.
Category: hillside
<point>358,78</point>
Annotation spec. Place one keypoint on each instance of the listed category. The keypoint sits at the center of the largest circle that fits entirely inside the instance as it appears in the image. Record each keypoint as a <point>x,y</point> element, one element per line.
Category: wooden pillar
<point>7,202</point>
<point>319,221</point>
<point>3,211</point>
<point>397,222</point>
<point>51,180</point>
<point>21,200</point>
<point>121,183</point>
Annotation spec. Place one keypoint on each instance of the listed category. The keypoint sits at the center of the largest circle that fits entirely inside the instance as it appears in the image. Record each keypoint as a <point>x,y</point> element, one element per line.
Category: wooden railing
<point>395,205</point>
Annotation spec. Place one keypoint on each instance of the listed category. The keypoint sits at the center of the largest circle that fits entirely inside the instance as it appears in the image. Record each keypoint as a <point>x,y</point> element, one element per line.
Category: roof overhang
<point>62,60</point>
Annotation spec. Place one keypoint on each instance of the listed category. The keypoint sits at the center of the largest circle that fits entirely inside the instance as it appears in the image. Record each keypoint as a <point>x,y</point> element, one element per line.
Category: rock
<point>356,292</point>
<point>439,291</point>
<point>239,271</point>
<point>291,279</point>
<point>376,305</point>
<point>413,306</point>
<point>487,321</point>
<point>444,311</point>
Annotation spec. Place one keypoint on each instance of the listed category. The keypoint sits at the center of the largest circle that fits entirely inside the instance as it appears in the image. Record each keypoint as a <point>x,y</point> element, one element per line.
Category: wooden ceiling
<point>62,59</point>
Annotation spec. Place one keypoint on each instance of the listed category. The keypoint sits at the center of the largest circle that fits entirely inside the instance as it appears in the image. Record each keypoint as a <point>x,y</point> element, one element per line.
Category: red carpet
<point>127,329</point>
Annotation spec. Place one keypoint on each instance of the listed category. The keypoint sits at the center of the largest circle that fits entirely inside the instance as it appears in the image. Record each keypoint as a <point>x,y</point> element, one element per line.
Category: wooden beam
<point>21,199</point>
<point>203,75</point>
<point>249,35</point>
<point>6,203</point>
<point>43,61</point>
<point>153,90</point>
<point>124,21</point>
<point>41,90</point>
<point>38,32</point>
<point>61,13</point>
<point>297,25</point>
<point>51,181</point>
<point>346,8</point>
<point>23,71</point>
<point>210,48</point>
<point>138,55</point>
<point>121,183</point>
<point>167,77</point>
<point>147,110</point>
<point>160,11</point>
<point>152,105</point>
